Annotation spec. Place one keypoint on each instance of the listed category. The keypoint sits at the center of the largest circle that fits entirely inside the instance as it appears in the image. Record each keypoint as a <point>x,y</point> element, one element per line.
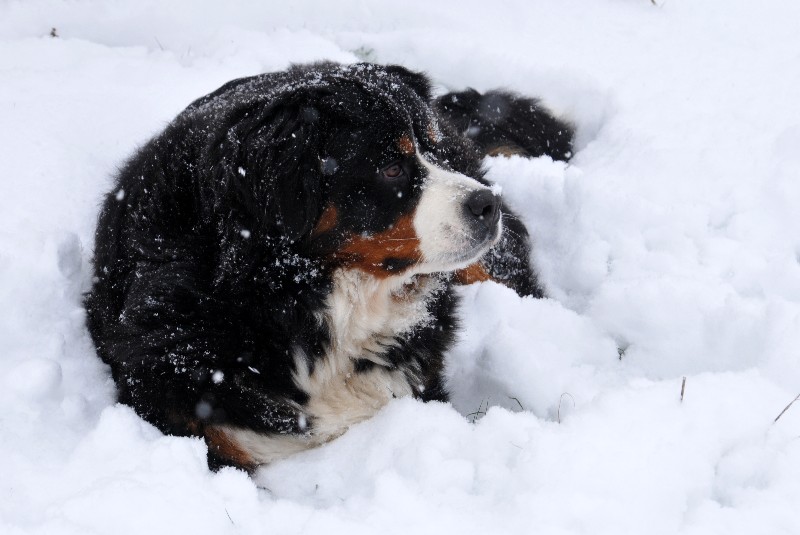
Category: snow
<point>669,249</point>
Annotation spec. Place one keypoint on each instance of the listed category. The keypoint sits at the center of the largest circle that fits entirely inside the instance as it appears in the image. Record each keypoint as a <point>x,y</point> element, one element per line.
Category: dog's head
<point>351,163</point>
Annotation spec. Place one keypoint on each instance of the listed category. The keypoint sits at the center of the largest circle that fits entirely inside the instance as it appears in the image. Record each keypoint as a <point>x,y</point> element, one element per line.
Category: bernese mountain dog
<point>280,261</point>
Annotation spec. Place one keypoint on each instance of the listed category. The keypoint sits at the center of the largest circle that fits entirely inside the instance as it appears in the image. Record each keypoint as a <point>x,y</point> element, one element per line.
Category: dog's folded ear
<point>415,80</point>
<point>267,166</point>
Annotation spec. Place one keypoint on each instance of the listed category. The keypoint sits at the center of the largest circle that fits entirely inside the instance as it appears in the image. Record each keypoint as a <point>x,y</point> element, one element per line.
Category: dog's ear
<point>415,80</point>
<point>268,165</point>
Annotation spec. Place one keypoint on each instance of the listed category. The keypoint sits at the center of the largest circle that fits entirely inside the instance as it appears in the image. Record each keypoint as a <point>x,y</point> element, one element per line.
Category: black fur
<point>504,123</point>
<point>210,275</point>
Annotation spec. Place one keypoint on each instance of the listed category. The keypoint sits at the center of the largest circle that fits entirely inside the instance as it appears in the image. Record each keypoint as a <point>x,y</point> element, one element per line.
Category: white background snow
<point>674,236</point>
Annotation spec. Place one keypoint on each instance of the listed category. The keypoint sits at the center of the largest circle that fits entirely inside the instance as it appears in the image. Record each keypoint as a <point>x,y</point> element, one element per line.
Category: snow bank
<point>669,249</point>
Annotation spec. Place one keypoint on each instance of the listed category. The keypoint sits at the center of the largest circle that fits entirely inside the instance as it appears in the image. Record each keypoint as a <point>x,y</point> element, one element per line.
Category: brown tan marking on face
<point>327,221</point>
<point>223,446</point>
<point>406,145</point>
<point>471,274</point>
<point>374,253</point>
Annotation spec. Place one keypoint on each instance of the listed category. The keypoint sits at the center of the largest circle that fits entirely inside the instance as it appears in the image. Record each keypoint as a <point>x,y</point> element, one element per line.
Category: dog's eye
<point>395,170</point>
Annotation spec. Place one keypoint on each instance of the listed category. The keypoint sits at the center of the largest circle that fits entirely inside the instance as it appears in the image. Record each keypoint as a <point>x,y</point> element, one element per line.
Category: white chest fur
<point>365,316</point>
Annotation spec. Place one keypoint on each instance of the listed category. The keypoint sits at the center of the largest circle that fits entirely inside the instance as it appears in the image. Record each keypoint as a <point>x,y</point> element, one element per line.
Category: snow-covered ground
<point>670,248</point>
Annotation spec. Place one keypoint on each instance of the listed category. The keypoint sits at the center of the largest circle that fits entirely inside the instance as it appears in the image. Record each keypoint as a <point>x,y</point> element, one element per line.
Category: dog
<point>281,260</point>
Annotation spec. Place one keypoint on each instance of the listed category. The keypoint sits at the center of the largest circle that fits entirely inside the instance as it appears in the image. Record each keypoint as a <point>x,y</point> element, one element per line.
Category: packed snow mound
<point>640,397</point>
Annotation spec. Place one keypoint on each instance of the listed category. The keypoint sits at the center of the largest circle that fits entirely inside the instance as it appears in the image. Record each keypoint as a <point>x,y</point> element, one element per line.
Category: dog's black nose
<point>483,206</point>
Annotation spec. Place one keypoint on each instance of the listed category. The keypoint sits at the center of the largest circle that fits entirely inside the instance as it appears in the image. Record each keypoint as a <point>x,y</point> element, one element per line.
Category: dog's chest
<point>366,317</point>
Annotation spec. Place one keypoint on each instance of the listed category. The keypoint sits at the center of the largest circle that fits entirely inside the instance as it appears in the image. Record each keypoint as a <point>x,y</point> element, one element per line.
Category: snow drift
<point>669,248</point>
